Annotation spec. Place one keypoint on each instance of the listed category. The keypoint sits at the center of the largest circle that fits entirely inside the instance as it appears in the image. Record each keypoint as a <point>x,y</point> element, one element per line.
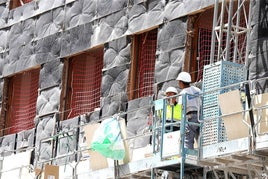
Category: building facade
<point>67,63</point>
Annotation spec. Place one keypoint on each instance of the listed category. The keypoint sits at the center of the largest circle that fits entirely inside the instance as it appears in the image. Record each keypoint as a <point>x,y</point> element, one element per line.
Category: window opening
<point>84,81</point>
<point>22,95</point>
<point>143,64</point>
<point>17,3</point>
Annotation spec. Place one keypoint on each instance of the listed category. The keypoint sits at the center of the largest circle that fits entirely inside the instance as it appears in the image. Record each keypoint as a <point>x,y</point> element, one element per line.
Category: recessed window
<point>16,3</point>
<point>142,65</point>
<point>20,104</point>
<point>83,83</point>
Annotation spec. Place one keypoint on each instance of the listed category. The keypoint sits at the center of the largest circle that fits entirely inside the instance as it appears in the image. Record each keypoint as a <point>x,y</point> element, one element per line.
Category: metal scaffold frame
<point>233,30</point>
<point>247,155</point>
<point>228,159</point>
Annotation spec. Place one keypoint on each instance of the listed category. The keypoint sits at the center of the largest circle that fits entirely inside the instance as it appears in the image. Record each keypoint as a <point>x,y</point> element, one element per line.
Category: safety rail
<point>244,111</point>
<point>154,161</point>
<point>237,155</point>
<point>182,153</point>
<point>156,158</point>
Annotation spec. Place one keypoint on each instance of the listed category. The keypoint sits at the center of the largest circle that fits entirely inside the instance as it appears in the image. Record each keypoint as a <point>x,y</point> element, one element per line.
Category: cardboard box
<point>141,153</point>
<point>97,161</point>
<point>171,144</point>
<point>49,172</point>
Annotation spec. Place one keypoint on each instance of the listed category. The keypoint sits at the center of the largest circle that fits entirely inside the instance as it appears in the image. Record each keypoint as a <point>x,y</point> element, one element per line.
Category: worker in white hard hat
<point>192,107</point>
<point>173,109</point>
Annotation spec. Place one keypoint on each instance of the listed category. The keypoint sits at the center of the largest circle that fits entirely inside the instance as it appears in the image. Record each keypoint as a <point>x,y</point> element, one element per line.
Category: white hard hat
<point>185,77</point>
<point>171,89</point>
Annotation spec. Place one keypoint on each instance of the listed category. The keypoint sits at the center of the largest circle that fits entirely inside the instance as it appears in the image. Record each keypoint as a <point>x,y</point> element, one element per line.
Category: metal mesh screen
<point>22,101</point>
<point>146,57</point>
<point>85,81</point>
<point>237,54</point>
<point>215,77</point>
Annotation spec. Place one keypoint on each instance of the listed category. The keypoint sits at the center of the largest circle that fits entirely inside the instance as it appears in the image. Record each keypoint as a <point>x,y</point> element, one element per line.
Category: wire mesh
<point>146,64</point>
<point>22,110</point>
<point>217,75</point>
<point>85,84</point>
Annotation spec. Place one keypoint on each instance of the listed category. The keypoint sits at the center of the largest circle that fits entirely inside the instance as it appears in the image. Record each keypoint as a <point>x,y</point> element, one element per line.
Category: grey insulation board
<point>104,7</point>
<point>20,14</point>
<point>25,139</point>
<point>113,90</point>
<point>179,8</point>
<point>172,35</point>
<point>109,27</point>
<point>137,121</point>
<point>90,117</point>
<point>79,12</point>
<point>2,64</point>
<point>32,9</point>
<point>4,39</point>
<point>49,23</point>
<point>4,10</point>
<point>76,39</point>
<point>21,33</point>
<point>117,53</point>
<point>48,48</point>
<point>145,15</point>
<point>51,74</point>
<point>112,105</point>
<point>114,80</point>
<point>7,144</point>
<point>44,144</point>
<point>45,128</point>
<point>170,50</point>
<point>84,11</point>
<point>48,101</point>
<point>168,65</point>
<point>68,141</point>
<point>77,32</point>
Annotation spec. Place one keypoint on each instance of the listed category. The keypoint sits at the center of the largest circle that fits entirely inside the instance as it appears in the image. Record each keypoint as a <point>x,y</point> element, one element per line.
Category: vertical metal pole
<point>247,88</point>
<point>163,128</point>
<point>116,170</point>
<point>237,30</point>
<point>215,20</point>
<point>248,33</point>
<point>221,31</point>
<point>229,29</point>
<point>172,117</point>
<point>152,173</point>
<point>77,140</point>
<point>182,133</point>
<point>154,130</point>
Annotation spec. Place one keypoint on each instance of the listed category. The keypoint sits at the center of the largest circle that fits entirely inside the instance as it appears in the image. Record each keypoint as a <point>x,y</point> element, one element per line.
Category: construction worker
<point>192,107</point>
<point>173,109</point>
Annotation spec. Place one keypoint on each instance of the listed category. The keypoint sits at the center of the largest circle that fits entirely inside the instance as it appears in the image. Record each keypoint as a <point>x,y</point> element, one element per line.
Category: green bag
<point>107,140</point>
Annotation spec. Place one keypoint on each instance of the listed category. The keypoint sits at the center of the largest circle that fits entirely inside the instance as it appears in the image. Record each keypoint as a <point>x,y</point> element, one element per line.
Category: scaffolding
<point>227,33</point>
<point>242,153</point>
<point>231,157</point>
